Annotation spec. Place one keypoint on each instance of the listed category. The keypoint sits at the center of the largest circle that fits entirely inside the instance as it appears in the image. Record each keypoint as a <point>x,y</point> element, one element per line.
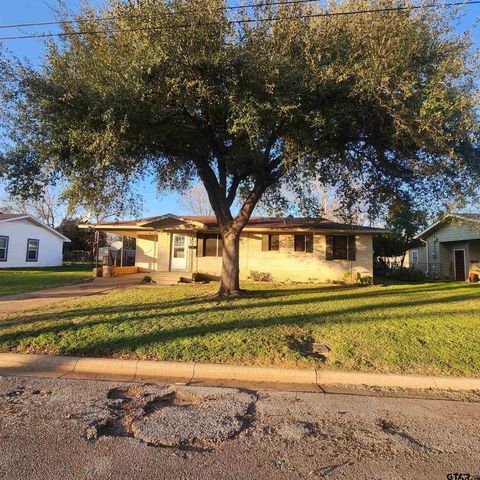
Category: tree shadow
<point>262,298</point>
<point>160,320</point>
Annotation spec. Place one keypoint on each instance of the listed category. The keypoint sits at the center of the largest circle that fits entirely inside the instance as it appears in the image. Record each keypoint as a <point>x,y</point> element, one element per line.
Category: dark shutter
<point>309,243</point>
<point>265,242</point>
<point>352,248</point>
<point>329,251</point>
<point>200,239</point>
<point>274,240</point>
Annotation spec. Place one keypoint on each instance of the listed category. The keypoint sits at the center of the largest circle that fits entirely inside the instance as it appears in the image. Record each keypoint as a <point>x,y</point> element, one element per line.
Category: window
<point>304,243</point>
<point>341,247</point>
<point>270,243</point>
<point>414,258</point>
<point>178,246</point>
<point>32,250</point>
<point>3,248</point>
<point>212,245</point>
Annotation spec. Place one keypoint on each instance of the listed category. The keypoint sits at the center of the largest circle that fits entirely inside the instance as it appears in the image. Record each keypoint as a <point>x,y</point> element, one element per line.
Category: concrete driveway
<point>77,429</point>
<point>40,298</point>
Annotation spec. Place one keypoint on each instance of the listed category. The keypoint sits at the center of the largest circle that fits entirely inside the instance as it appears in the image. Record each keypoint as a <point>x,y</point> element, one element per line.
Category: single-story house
<point>450,248</point>
<point>27,242</point>
<point>296,249</point>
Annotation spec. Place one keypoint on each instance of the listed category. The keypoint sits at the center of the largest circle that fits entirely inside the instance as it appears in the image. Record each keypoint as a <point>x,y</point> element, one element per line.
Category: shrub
<point>366,280</point>
<point>395,272</point>
<point>203,277</point>
<point>260,276</point>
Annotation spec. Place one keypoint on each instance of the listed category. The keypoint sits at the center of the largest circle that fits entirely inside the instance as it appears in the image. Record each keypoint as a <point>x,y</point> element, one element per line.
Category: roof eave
<point>38,223</point>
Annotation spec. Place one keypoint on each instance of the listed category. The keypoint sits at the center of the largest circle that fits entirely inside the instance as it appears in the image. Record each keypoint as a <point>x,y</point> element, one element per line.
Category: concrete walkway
<point>40,298</point>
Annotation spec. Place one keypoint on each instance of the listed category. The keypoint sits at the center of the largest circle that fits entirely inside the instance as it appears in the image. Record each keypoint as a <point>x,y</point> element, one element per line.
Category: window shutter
<point>200,240</point>
<point>329,251</point>
<point>309,243</point>
<point>265,242</point>
<point>352,248</point>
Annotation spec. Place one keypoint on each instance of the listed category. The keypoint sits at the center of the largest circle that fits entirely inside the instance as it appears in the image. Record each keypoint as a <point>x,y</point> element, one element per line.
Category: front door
<point>460,265</point>
<point>179,252</point>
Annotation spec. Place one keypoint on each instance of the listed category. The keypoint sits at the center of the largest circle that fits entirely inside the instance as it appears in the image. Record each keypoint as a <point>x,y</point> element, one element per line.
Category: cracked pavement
<point>79,429</point>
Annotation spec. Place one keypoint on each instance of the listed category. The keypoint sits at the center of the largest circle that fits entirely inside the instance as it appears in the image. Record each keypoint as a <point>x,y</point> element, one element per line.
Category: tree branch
<point>214,191</point>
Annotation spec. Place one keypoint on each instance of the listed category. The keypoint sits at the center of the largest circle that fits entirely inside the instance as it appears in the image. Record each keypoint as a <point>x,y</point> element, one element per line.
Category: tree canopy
<point>378,105</point>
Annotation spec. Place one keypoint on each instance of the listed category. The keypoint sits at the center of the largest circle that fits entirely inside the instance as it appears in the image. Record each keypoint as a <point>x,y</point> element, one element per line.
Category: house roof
<point>170,221</point>
<point>469,217</point>
<point>12,217</point>
<point>8,216</point>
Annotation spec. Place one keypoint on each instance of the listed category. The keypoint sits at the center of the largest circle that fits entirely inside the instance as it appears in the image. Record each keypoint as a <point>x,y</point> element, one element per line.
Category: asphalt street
<point>78,429</point>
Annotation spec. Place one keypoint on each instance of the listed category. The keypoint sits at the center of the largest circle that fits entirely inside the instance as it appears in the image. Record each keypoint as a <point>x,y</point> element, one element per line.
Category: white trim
<point>465,219</point>
<point>464,263</point>
<point>450,215</point>
<point>172,216</point>
<point>427,253</point>
<point>184,259</point>
<point>38,223</point>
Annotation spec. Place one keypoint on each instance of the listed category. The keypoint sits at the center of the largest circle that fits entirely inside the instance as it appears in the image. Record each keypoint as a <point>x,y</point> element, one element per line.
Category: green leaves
<point>374,104</point>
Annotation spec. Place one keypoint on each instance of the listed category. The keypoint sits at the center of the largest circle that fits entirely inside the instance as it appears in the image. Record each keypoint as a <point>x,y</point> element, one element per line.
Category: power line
<point>251,20</point>
<point>108,19</point>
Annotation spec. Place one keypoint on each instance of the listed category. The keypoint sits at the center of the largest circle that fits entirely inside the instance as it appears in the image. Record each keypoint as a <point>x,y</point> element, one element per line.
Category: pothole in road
<point>167,417</point>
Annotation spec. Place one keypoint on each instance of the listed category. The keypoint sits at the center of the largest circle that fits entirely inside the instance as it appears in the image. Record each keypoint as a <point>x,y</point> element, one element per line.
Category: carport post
<point>121,256</point>
<point>97,238</point>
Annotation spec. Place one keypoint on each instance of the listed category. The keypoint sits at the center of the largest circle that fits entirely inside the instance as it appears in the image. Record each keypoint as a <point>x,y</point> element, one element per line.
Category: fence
<point>417,272</point>
<point>78,256</point>
<point>435,271</point>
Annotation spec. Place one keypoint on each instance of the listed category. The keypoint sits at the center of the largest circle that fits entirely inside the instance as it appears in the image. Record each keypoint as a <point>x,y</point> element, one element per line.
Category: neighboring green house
<point>450,248</point>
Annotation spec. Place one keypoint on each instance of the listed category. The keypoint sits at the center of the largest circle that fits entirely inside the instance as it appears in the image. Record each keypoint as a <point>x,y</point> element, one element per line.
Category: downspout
<point>427,252</point>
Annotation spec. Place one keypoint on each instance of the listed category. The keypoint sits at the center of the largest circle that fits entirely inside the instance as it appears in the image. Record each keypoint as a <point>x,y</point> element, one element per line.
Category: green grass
<point>423,328</point>
<point>23,280</point>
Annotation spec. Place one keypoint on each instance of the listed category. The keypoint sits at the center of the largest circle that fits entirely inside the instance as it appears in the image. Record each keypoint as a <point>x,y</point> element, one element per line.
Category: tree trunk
<point>230,278</point>
<point>405,249</point>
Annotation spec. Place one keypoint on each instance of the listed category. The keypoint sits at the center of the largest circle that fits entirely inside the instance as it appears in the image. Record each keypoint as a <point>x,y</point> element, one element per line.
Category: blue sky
<point>29,11</point>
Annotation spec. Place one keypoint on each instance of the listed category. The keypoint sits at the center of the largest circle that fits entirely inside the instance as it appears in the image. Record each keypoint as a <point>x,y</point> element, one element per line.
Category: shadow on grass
<point>261,298</point>
<point>129,319</point>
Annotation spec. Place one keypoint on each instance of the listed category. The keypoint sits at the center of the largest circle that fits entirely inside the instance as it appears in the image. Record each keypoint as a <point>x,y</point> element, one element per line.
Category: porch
<point>448,260</point>
<point>165,244</point>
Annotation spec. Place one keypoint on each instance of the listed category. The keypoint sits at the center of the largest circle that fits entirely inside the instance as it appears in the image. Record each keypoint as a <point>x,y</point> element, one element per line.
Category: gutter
<point>428,254</point>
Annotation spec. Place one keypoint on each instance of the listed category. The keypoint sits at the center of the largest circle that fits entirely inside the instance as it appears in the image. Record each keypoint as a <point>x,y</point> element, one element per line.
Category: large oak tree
<point>376,104</point>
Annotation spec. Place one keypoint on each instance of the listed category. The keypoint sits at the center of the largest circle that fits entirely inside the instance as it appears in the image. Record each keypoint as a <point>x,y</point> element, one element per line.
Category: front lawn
<point>23,280</point>
<point>424,328</point>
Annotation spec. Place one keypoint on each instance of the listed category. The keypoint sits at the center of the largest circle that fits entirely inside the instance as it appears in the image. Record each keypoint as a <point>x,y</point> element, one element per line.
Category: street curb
<point>175,372</point>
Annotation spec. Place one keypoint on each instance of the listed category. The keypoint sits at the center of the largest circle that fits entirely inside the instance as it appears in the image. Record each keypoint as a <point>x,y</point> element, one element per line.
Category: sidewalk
<point>40,298</point>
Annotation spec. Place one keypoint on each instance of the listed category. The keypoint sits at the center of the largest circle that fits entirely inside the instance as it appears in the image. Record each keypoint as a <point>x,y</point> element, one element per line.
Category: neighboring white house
<point>28,242</point>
